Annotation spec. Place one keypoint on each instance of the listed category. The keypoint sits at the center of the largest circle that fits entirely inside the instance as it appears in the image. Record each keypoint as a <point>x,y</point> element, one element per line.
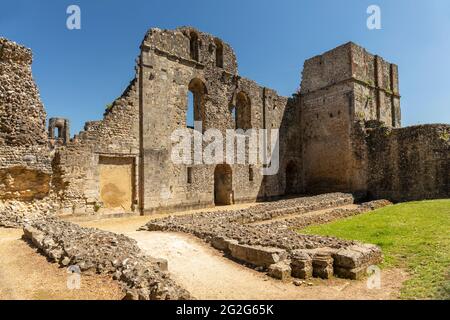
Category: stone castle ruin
<point>340,133</point>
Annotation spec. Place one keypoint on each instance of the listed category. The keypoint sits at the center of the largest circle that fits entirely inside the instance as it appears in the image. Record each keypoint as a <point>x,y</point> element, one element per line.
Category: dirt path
<point>27,275</point>
<point>208,275</point>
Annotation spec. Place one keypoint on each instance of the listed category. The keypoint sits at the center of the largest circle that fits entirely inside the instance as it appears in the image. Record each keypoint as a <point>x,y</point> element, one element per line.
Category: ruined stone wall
<point>409,163</point>
<point>76,164</point>
<point>167,70</point>
<point>283,114</point>
<point>376,87</point>
<point>22,115</point>
<point>137,128</point>
<point>25,160</point>
<point>341,89</point>
<point>327,138</point>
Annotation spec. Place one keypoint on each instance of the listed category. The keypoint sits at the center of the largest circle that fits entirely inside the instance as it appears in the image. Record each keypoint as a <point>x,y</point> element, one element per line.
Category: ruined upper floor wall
<point>178,44</point>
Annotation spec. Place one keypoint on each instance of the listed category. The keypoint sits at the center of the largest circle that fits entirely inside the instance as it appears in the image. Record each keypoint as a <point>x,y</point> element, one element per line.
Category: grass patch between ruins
<point>413,235</point>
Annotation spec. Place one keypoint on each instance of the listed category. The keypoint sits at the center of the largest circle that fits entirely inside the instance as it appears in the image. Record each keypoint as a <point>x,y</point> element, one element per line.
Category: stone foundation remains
<point>96,251</point>
<point>276,246</point>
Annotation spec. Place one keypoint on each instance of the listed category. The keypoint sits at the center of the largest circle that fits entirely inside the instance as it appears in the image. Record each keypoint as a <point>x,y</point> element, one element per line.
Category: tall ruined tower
<point>25,163</point>
<point>341,90</point>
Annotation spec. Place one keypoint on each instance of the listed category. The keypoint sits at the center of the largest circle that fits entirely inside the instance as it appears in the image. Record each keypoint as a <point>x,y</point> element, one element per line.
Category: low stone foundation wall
<point>275,246</point>
<point>303,221</point>
<point>93,250</point>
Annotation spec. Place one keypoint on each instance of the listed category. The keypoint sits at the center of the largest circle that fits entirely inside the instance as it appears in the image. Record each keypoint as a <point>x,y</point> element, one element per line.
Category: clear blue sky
<point>80,71</point>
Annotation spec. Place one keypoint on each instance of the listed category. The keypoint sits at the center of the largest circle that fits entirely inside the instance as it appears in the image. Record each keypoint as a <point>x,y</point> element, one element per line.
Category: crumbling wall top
<point>11,51</point>
<point>348,62</point>
<point>189,44</point>
<point>22,115</point>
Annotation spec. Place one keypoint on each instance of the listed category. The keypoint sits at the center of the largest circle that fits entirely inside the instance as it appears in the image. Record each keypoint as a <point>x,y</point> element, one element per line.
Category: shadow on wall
<point>288,180</point>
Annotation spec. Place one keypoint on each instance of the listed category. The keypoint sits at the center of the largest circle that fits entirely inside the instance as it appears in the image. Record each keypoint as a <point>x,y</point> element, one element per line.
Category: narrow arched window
<point>219,53</point>
<point>233,115</point>
<point>194,45</point>
<point>190,110</point>
<point>196,102</point>
<point>250,173</point>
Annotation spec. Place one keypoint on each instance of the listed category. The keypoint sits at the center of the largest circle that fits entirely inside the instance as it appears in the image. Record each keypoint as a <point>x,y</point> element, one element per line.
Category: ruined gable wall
<point>25,161</point>
<point>76,165</point>
<point>410,163</point>
<point>167,70</point>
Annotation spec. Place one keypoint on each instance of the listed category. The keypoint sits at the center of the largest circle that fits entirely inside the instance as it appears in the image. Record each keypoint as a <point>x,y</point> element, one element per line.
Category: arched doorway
<point>291,178</point>
<point>223,185</point>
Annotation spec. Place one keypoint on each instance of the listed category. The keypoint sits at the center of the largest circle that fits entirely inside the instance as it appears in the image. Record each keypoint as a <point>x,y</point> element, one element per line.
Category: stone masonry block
<point>301,264</point>
<point>257,255</point>
<point>357,255</point>
<point>322,265</point>
<point>353,274</point>
<point>280,270</point>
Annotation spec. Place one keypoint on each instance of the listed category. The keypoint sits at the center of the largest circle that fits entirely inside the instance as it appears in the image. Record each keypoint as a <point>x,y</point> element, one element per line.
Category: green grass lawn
<point>413,235</point>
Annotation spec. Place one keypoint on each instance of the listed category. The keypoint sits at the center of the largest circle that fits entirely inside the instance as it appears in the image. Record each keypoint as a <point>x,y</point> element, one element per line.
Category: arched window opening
<point>233,114</point>
<point>196,102</point>
<point>243,111</point>
<point>223,185</point>
<point>194,45</point>
<point>219,53</point>
<point>250,173</point>
<point>190,110</point>
<point>189,175</point>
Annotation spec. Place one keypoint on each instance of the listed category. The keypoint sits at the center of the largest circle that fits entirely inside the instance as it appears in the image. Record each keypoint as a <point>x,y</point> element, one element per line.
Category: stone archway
<point>223,185</point>
<point>291,178</point>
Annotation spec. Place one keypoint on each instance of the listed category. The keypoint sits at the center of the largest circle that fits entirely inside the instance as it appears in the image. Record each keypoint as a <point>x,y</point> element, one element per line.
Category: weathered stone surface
<point>221,243</point>
<point>357,255</point>
<point>353,274</point>
<point>411,163</point>
<point>322,265</point>
<point>280,270</point>
<point>301,264</point>
<point>22,115</point>
<point>257,255</point>
<point>14,213</point>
